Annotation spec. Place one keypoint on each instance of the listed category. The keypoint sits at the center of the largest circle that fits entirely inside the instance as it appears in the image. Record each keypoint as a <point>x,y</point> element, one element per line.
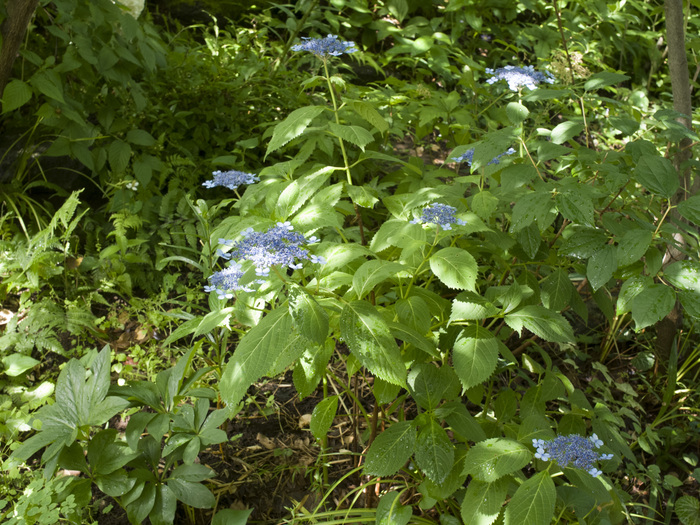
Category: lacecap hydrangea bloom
<point>323,47</point>
<point>231,179</point>
<point>518,77</point>
<point>279,245</point>
<point>572,449</point>
<point>469,157</point>
<point>440,214</point>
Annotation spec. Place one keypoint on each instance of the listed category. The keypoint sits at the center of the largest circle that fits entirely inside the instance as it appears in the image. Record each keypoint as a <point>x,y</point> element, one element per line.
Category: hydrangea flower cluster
<point>440,214</point>
<point>574,449</point>
<point>323,47</point>
<point>518,77</point>
<point>280,245</point>
<point>231,179</point>
<point>469,157</point>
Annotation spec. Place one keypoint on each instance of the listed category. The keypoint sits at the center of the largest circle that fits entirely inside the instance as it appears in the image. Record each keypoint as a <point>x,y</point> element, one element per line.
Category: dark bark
<point>13,28</point>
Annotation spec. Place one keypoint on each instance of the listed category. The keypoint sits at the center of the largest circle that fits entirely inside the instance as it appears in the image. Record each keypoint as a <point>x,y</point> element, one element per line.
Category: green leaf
<point>494,458</point>
<point>119,154</point>
<point>310,318</point>
<point>294,125</point>
<point>455,267</point>
<point>17,364</point>
<point>566,131</point>
<point>192,473</point>
<point>603,79</point>
<point>213,320</point>
<point>484,204</point>
<point>542,322</point>
<point>630,288</point>
<point>254,354</point>
<point>557,290</point>
<point>322,417</point>
<point>434,452</point>
<point>576,207</point>
<point>372,273</point>
<point>371,342</point>
<point>48,82</point>
<point>516,112</point>
<point>684,275</point>
<point>317,215</point>
<point>529,208</point>
<point>192,494</point>
<point>16,95</point>
<point>533,502</point>
<point>391,449</point>
<point>231,517</point>
<point>601,266</point>
<point>657,174</point>
<point>689,208</point>
<point>368,113</point>
<point>470,306</point>
<point>583,241</point>
<point>462,422</point>
<point>633,246</point>
<point>483,501</point>
<point>651,305</point>
<point>475,354</point>
<point>364,196</point>
<point>356,135</point>
<point>414,313</point>
<point>141,507</point>
<point>301,190</point>
<point>530,239</point>
<point>140,137</point>
<point>429,385</point>
<point>688,510</point>
<point>164,507</point>
<point>390,511</point>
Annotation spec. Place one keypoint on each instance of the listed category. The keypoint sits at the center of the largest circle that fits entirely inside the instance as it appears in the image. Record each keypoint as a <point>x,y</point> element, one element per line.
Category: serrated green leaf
<point>516,112</point>
<point>414,313</point>
<point>434,451</point>
<point>494,458</point>
<point>364,196</point>
<point>391,449</point>
<point>371,342</point>
<point>633,246</point>
<point>542,322</point>
<point>566,131</point>
<point>533,502</point>
<point>48,82</point>
<point>530,240</point>
<point>531,207</point>
<point>322,417</point>
<point>483,501</point>
<point>455,267</point>
<point>372,273</point>
<point>651,305</point>
<point>16,95</point>
<point>689,208</point>
<point>310,318</point>
<point>294,196</point>
<point>601,266</point>
<point>474,354</point>
<point>119,155</point>
<point>583,242</point>
<point>294,125</point>
<point>256,350</point>
<point>576,207</point>
<point>556,290</point>
<point>140,137</point>
<point>630,288</point>
<point>688,510</point>
<point>470,306</point>
<point>430,385</point>
<point>484,204</point>
<point>356,135</point>
<point>366,111</point>
<point>657,174</point>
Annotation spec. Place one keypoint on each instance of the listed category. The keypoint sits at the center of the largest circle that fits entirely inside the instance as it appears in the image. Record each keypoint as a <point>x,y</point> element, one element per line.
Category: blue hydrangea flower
<point>518,77</point>
<point>574,449</point>
<point>225,282</point>
<point>323,47</point>
<point>469,157</point>
<point>440,214</point>
<point>231,179</point>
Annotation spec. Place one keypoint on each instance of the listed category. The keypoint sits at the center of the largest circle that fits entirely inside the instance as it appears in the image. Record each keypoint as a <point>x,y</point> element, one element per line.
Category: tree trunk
<point>13,28</point>
<point>667,328</point>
